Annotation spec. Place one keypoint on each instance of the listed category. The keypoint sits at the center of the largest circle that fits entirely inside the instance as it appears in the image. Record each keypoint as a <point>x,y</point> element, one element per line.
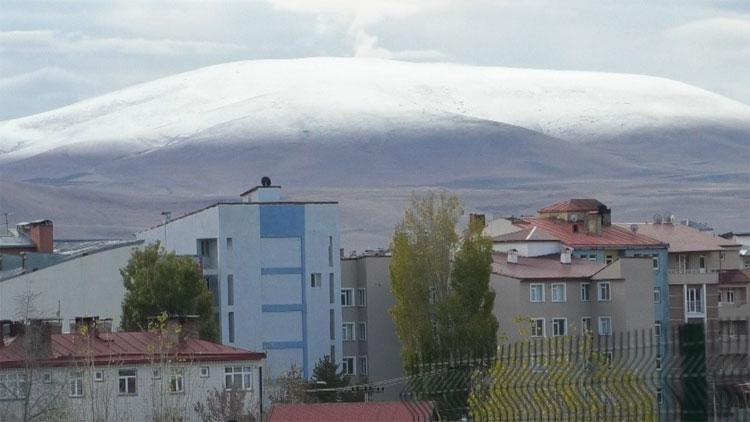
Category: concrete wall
<point>88,285</point>
<point>102,398</point>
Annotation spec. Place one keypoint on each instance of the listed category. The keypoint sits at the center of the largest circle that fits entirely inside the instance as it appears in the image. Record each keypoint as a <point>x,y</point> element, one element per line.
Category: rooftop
<point>121,348</point>
<point>395,411</point>
<point>572,205</point>
<point>612,236</point>
<point>533,234</point>
<point>734,276</point>
<point>544,267</point>
<point>682,238</point>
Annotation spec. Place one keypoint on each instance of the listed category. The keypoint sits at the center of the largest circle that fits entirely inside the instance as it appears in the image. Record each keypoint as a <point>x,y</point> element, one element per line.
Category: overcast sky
<point>57,52</point>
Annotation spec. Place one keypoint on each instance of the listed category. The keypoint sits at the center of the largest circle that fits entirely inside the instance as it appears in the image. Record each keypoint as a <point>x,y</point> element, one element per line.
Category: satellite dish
<point>634,228</point>
<point>574,218</point>
<point>657,218</point>
<point>265,181</point>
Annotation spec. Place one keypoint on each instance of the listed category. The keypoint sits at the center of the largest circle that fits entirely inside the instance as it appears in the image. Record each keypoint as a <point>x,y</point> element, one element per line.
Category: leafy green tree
<point>156,282</point>
<point>470,325</point>
<point>420,269</point>
<point>326,375</point>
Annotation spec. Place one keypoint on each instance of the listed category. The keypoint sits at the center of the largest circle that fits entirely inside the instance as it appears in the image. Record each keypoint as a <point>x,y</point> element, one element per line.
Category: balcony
<point>681,276</point>
<point>734,311</point>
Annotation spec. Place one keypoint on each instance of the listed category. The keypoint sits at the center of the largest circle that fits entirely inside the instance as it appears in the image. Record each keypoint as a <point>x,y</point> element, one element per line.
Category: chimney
<point>477,219</point>
<point>189,326</point>
<point>566,256</point>
<point>265,192</point>
<point>41,235</point>
<point>91,325</point>
<point>37,337</point>
<point>594,222</point>
<point>513,256</point>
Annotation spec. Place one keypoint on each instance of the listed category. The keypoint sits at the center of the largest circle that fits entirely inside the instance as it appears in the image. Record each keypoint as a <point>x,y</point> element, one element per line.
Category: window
<point>347,331</point>
<point>156,374</point>
<point>346,297</point>
<point>694,303</point>
<point>205,372</point>
<point>331,289</point>
<point>362,365</point>
<point>536,292</point>
<point>176,381</point>
<point>558,292</point>
<point>76,384</point>
<point>728,296</point>
<point>537,327</point>
<point>591,257</point>
<point>361,297</point>
<point>330,251</point>
<point>655,263</point>
<point>362,331</point>
<point>126,381</point>
<point>238,377</point>
<point>658,363</point>
<point>12,385</point>
<point>230,326</point>
<point>332,324</point>
<point>585,292</point>
<point>99,376</point>
<point>230,289</point>
<point>229,244</point>
<point>347,365</point>
<point>657,295</point>
<point>702,264</point>
<point>586,325</point>
<point>609,259</point>
<point>605,326</point>
<point>333,353</point>
<point>559,326</point>
<point>47,378</point>
<point>682,263</point>
<point>316,280</point>
<point>603,291</point>
<point>657,328</point>
<point>659,396</point>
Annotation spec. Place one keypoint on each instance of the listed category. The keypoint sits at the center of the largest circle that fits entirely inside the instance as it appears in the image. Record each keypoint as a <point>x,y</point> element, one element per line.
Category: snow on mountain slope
<point>285,99</point>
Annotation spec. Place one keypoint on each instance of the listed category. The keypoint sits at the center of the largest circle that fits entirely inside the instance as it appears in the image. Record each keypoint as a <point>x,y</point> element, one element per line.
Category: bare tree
<point>226,405</point>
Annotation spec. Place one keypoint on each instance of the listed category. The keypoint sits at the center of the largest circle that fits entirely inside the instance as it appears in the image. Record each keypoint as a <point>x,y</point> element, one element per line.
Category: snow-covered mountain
<point>340,126</point>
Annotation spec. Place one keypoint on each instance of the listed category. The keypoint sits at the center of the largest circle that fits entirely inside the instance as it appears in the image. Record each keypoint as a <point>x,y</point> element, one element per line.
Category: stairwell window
<point>657,328</point>
<point>655,263</point>
<point>657,295</point>
<point>230,326</point>
<point>316,280</point>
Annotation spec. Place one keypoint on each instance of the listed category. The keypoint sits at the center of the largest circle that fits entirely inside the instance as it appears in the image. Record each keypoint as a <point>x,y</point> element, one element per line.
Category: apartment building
<point>695,260</point>
<point>371,348</point>
<point>585,227</point>
<point>81,281</point>
<point>557,295</point>
<point>134,376</point>
<point>744,240</point>
<point>272,268</point>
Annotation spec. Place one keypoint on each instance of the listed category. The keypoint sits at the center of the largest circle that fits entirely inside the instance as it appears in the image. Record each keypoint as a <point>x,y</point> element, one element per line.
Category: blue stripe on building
<point>280,345</point>
<point>280,270</point>
<point>290,307</point>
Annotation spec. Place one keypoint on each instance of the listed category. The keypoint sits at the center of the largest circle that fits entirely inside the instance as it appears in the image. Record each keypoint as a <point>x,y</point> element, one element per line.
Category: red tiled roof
<point>573,205</point>
<point>543,267</point>
<point>611,236</point>
<point>395,411</point>
<point>121,347</point>
<point>682,238</point>
<point>734,276</point>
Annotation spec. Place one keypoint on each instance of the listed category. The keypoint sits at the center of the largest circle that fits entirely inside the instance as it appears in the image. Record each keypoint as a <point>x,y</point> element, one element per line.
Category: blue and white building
<point>275,272</point>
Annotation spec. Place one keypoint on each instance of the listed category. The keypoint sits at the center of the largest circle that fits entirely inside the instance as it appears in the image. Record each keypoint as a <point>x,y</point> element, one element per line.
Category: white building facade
<point>273,271</point>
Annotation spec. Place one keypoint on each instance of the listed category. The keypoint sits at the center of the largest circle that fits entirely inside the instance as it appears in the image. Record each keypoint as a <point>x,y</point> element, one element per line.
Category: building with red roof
<point>395,411</point>
<point>91,373</point>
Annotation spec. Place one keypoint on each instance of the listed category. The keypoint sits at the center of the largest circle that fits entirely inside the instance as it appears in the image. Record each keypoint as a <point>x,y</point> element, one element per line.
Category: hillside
<point>368,132</point>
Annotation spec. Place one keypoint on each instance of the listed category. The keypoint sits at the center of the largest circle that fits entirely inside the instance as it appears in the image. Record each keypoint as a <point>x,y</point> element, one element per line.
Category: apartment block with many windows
<point>557,295</point>
<point>274,272</point>
<point>371,348</point>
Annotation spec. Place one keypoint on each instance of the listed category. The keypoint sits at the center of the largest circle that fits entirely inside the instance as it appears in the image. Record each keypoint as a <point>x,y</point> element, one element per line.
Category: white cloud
<point>724,33</point>
<point>47,41</point>
<point>358,16</point>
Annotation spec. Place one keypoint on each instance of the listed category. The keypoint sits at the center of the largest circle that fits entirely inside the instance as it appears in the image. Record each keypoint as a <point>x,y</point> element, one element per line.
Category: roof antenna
<point>5,223</point>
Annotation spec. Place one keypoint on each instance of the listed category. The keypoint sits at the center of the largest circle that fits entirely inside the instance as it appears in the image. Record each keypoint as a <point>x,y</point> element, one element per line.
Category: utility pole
<point>167,216</point>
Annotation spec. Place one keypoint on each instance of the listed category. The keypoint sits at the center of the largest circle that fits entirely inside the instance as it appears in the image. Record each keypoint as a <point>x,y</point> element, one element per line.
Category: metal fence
<point>692,372</point>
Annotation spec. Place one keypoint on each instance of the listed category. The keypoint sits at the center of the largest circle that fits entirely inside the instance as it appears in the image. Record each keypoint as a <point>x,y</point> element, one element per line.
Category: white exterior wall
<point>152,395</point>
<point>529,249</point>
<point>89,285</point>
<point>283,325</point>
